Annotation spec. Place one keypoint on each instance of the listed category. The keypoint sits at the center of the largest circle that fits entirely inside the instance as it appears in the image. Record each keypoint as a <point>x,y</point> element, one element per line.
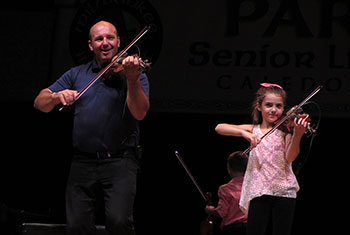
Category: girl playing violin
<point>270,187</point>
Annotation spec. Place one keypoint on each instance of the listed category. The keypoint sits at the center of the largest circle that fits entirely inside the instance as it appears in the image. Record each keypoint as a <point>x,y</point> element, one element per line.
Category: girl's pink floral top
<point>268,172</point>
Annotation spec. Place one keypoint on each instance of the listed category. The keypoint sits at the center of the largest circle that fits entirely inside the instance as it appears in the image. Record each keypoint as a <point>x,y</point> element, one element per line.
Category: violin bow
<point>191,176</point>
<point>288,115</point>
<point>114,60</point>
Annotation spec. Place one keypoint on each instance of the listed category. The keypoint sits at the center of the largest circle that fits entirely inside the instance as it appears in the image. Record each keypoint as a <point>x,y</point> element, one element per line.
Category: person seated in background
<point>233,219</point>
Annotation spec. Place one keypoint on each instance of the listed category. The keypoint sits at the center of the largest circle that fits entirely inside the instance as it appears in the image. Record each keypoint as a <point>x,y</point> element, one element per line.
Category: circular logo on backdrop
<point>129,17</point>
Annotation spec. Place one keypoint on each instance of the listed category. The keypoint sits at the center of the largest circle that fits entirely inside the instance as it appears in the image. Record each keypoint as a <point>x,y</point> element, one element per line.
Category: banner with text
<point>215,54</point>
<point>207,56</point>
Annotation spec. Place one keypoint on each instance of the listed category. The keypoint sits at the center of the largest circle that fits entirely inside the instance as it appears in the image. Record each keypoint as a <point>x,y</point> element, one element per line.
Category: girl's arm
<point>293,140</point>
<point>244,131</point>
<point>233,130</point>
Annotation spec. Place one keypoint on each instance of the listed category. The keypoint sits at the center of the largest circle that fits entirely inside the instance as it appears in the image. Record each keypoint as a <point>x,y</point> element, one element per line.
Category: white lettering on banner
<point>223,51</point>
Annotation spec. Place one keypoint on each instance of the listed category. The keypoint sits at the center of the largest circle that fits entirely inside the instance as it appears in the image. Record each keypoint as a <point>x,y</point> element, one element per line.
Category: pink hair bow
<point>271,85</point>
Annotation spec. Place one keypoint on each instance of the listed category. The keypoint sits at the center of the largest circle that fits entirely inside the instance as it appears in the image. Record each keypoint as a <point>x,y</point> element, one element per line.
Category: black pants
<point>117,179</point>
<point>280,210</point>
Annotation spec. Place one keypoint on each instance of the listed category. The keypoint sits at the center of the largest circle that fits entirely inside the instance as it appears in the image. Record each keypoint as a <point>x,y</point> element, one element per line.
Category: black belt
<point>106,154</point>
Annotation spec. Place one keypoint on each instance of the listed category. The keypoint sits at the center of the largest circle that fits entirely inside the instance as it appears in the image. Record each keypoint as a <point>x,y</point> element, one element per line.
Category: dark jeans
<point>265,208</point>
<point>117,179</point>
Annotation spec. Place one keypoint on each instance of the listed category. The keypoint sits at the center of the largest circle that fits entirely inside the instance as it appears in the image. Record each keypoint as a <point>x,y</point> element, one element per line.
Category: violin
<point>117,68</point>
<point>288,124</point>
<point>207,226</point>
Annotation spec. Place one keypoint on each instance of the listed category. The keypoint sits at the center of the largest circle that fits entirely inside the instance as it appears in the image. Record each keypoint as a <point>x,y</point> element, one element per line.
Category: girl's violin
<point>288,124</point>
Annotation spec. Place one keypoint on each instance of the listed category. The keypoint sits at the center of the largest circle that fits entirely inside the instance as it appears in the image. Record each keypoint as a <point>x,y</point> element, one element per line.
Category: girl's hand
<point>293,140</point>
<point>252,138</point>
<point>300,126</point>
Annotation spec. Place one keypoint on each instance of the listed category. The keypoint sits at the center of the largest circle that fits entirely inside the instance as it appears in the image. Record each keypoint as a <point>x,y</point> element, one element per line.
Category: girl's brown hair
<point>259,97</point>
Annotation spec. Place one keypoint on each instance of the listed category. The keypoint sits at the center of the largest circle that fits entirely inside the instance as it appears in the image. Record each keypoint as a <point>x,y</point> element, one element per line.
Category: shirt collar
<point>95,68</point>
<point>237,179</point>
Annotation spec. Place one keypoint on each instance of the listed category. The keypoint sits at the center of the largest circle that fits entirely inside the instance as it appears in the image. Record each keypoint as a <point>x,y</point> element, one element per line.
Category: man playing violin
<point>105,134</point>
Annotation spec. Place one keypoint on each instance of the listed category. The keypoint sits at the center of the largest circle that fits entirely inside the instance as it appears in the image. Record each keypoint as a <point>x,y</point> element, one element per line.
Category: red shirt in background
<point>228,206</point>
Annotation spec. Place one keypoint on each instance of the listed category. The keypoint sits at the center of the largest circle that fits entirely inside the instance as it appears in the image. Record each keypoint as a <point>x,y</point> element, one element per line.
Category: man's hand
<point>131,68</point>
<point>65,97</point>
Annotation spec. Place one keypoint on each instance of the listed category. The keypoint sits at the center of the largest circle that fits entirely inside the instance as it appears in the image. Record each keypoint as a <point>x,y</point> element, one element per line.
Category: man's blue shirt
<point>102,121</point>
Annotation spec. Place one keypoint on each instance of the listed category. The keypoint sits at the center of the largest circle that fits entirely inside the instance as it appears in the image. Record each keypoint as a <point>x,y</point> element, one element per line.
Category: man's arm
<point>136,99</point>
<point>47,100</point>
